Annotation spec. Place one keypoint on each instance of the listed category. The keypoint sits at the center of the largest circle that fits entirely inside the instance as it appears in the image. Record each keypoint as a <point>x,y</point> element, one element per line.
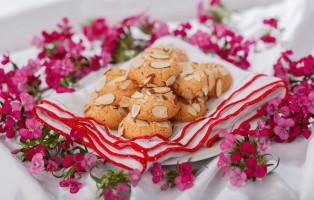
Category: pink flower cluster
<point>182,177</point>
<point>268,37</point>
<point>246,157</point>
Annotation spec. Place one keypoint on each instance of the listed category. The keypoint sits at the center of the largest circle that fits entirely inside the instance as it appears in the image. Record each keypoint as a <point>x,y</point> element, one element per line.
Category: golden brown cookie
<point>154,104</point>
<point>192,82</point>
<point>190,109</point>
<point>169,50</point>
<point>154,70</point>
<point>115,87</point>
<point>219,78</point>
<point>131,127</point>
<point>107,114</point>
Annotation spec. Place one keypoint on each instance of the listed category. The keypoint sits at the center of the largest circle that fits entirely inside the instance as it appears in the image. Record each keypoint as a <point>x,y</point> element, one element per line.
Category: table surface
<point>293,179</point>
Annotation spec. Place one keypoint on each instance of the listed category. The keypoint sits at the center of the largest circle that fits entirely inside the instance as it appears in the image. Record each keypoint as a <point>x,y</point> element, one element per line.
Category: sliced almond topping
<point>123,111</point>
<point>160,99</point>
<point>151,85</point>
<point>163,124</point>
<point>160,64</point>
<point>101,83</point>
<point>148,93</point>
<point>223,71</point>
<point>218,88</point>
<point>199,93</point>
<point>137,62</point>
<point>87,109</point>
<point>135,110</point>
<point>159,56</point>
<point>211,81</point>
<point>119,79</point>
<point>187,69</point>
<point>143,100</point>
<point>200,99</point>
<point>192,111</point>
<point>193,76</point>
<point>162,89</point>
<point>149,79</point>
<point>146,80</point>
<point>187,94</point>
<point>168,48</point>
<point>137,95</point>
<point>113,107</point>
<point>141,123</point>
<point>171,80</point>
<point>205,89</point>
<point>125,84</point>
<point>207,71</point>
<point>105,99</point>
<point>125,101</point>
<point>160,111</point>
<point>197,107</point>
<point>94,95</point>
<point>121,130</point>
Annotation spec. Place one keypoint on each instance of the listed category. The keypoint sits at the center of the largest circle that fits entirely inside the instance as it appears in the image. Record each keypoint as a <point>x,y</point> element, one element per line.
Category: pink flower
<point>30,153</point>
<point>32,131</point>
<point>272,22</point>
<point>110,194</point>
<point>185,169</point>
<point>6,59</point>
<point>53,163</point>
<point>223,162</point>
<point>106,58</point>
<point>135,177</point>
<point>223,132</point>
<point>39,163</point>
<point>263,145</point>
<point>236,157</point>
<point>228,143</point>
<point>184,182</point>
<point>37,42</point>
<point>74,186</point>
<point>260,171</point>
<point>201,39</point>
<point>247,148</point>
<point>250,173</point>
<point>243,129</point>
<point>164,187</point>
<point>32,67</point>
<point>161,30</point>
<point>77,159</point>
<point>67,161</point>
<point>157,173</point>
<point>282,129</point>
<point>237,177</point>
<point>89,161</point>
<point>122,187</point>
<point>251,163</point>
<point>27,101</point>
<point>63,67</point>
<point>268,39</point>
<point>213,2</point>
<point>75,136</point>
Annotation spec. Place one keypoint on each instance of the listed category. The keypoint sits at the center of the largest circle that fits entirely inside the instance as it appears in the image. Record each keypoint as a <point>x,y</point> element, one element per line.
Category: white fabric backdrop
<point>293,179</point>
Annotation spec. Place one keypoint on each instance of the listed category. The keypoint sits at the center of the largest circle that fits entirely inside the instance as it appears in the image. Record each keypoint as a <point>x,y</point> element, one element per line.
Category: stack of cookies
<point>161,86</point>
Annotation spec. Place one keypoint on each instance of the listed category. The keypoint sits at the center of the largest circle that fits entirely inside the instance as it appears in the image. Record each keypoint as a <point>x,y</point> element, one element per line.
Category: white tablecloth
<point>293,179</point>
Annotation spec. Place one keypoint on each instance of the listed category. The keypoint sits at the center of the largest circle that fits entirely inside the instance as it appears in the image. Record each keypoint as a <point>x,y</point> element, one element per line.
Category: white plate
<point>202,154</point>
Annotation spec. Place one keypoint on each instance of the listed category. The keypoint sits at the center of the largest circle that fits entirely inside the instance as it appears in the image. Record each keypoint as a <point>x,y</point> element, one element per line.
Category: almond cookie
<point>154,70</point>
<point>131,127</point>
<point>154,104</point>
<point>219,78</point>
<point>169,50</point>
<point>190,109</point>
<point>192,82</point>
<point>115,88</point>
<point>107,114</point>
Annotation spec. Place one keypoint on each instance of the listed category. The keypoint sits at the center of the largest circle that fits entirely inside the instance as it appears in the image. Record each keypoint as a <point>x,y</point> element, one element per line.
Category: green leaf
<point>97,180</point>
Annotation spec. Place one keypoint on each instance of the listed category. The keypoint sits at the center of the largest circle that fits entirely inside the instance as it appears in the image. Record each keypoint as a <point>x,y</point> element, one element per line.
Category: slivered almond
<point>192,111</point>
<point>207,71</point>
<point>223,71</point>
<point>200,99</point>
<point>170,80</point>
<point>123,111</point>
<point>193,76</point>
<point>218,88</point>
<point>205,89</point>
<point>137,62</point>
<point>148,93</point>
<point>141,123</point>
<point>143,100</point>
<point>168,48</point>
<point>187,69</point>
<point>125,101</point>
<point>160,111</point>
<point>125,84</point>
<point>162,89</point>
<point>160,64</point>
<point>146,80</point>
<point>113,107</point>
<point>151,85</point>
<point>187,94</point>
<point>197,107</point>
<point>199,93</point>
<point>149,79</point>
<point>160,99</point>
<point>119,79</point>
<point>135,110</point>
<point>211,81</point>
<point>159,56</point>
<point>137,95</point>
<point>120,130</point>
<point>94,95</point>
<point>164,124</point>
<point>105,99</point>
<point>101,83</point>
